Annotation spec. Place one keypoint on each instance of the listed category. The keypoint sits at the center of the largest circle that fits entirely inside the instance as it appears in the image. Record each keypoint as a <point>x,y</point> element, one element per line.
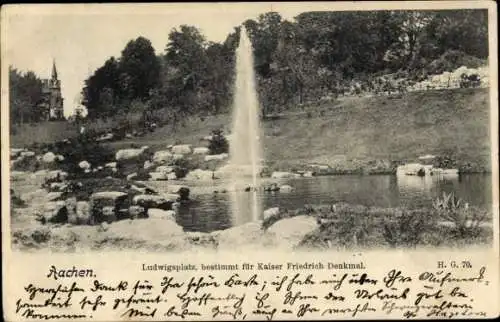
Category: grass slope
<point>349,133</point>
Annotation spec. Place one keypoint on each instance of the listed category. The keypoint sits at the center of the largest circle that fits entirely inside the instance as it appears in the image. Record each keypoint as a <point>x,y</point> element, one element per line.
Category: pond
<point>209,211</point>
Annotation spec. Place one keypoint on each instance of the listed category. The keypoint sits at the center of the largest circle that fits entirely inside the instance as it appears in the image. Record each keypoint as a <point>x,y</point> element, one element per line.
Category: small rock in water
<point>286,188</point>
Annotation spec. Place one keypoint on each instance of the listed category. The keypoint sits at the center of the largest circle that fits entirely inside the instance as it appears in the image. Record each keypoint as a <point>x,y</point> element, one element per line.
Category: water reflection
<point>211,211</point>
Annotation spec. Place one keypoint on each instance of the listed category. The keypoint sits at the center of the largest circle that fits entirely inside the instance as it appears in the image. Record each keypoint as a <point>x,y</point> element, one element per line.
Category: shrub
<point>219,143</point>
<point>407,228</point>
<point>446,161</point>
<point>467,220</point>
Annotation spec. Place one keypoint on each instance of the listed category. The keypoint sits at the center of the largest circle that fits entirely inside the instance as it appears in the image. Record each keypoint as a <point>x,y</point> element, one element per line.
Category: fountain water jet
<point>245,146</point>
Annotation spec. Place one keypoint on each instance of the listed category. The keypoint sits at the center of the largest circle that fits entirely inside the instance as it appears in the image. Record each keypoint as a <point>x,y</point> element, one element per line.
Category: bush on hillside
<point>451,60</point>
<point>407,228</point>
<point>219,143</point>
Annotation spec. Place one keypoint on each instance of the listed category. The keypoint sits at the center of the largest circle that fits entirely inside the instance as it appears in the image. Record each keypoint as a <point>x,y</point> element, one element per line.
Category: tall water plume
<point>245,146</point>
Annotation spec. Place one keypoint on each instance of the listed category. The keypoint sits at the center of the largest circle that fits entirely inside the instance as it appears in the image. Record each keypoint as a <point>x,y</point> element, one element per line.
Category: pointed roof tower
<point>54,70</point>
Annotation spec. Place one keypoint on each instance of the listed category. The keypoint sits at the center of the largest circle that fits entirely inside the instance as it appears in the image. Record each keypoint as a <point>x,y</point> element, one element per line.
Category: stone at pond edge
<point>249,235</point>
<point>288,233</point>
<point>274,211</point>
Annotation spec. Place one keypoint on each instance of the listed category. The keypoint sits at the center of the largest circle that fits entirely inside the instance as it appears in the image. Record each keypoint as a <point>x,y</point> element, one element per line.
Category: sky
<point>80,40</point>
<point>80,37</point>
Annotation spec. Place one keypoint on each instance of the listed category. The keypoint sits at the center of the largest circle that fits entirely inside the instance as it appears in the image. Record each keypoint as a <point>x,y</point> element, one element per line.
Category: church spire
<point>54,70</point>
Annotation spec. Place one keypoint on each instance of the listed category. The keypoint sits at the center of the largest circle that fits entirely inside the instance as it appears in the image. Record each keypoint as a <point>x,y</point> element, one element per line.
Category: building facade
<point>52,105</point>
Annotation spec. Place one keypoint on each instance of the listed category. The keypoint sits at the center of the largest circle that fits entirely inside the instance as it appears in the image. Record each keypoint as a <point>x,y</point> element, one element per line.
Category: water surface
<point>212,211</point>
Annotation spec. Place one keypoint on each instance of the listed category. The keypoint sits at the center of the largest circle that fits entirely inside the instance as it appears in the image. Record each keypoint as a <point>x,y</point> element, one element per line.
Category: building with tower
<point>52,103</point>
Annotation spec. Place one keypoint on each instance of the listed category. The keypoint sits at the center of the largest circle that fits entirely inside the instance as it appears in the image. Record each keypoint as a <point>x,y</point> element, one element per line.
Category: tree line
<point>317,54</point>
<point>25,97</point>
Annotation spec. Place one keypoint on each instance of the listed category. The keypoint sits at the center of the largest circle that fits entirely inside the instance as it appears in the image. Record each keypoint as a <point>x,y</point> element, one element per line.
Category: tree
<point>100,89</point>
<point>25,96</point>
<point>140,69</point>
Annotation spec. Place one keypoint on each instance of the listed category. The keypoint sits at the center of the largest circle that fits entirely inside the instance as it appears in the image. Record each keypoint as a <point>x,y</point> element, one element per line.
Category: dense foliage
<point>317,54</point>
<point>25,95</point>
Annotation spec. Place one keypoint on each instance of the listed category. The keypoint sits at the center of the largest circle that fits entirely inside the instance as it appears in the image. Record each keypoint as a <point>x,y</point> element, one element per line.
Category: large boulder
<point>216,157</point>
<point>163,156</point>
<point>289,232</point>
<point>271,212</point>
<point>158,233</point>
<point>246,236</point>
<point>181,149</point>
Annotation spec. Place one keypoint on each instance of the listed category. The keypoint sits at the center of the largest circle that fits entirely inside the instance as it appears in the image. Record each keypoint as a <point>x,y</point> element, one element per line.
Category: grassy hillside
<point>454,123</point>
<point>351,133</point>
